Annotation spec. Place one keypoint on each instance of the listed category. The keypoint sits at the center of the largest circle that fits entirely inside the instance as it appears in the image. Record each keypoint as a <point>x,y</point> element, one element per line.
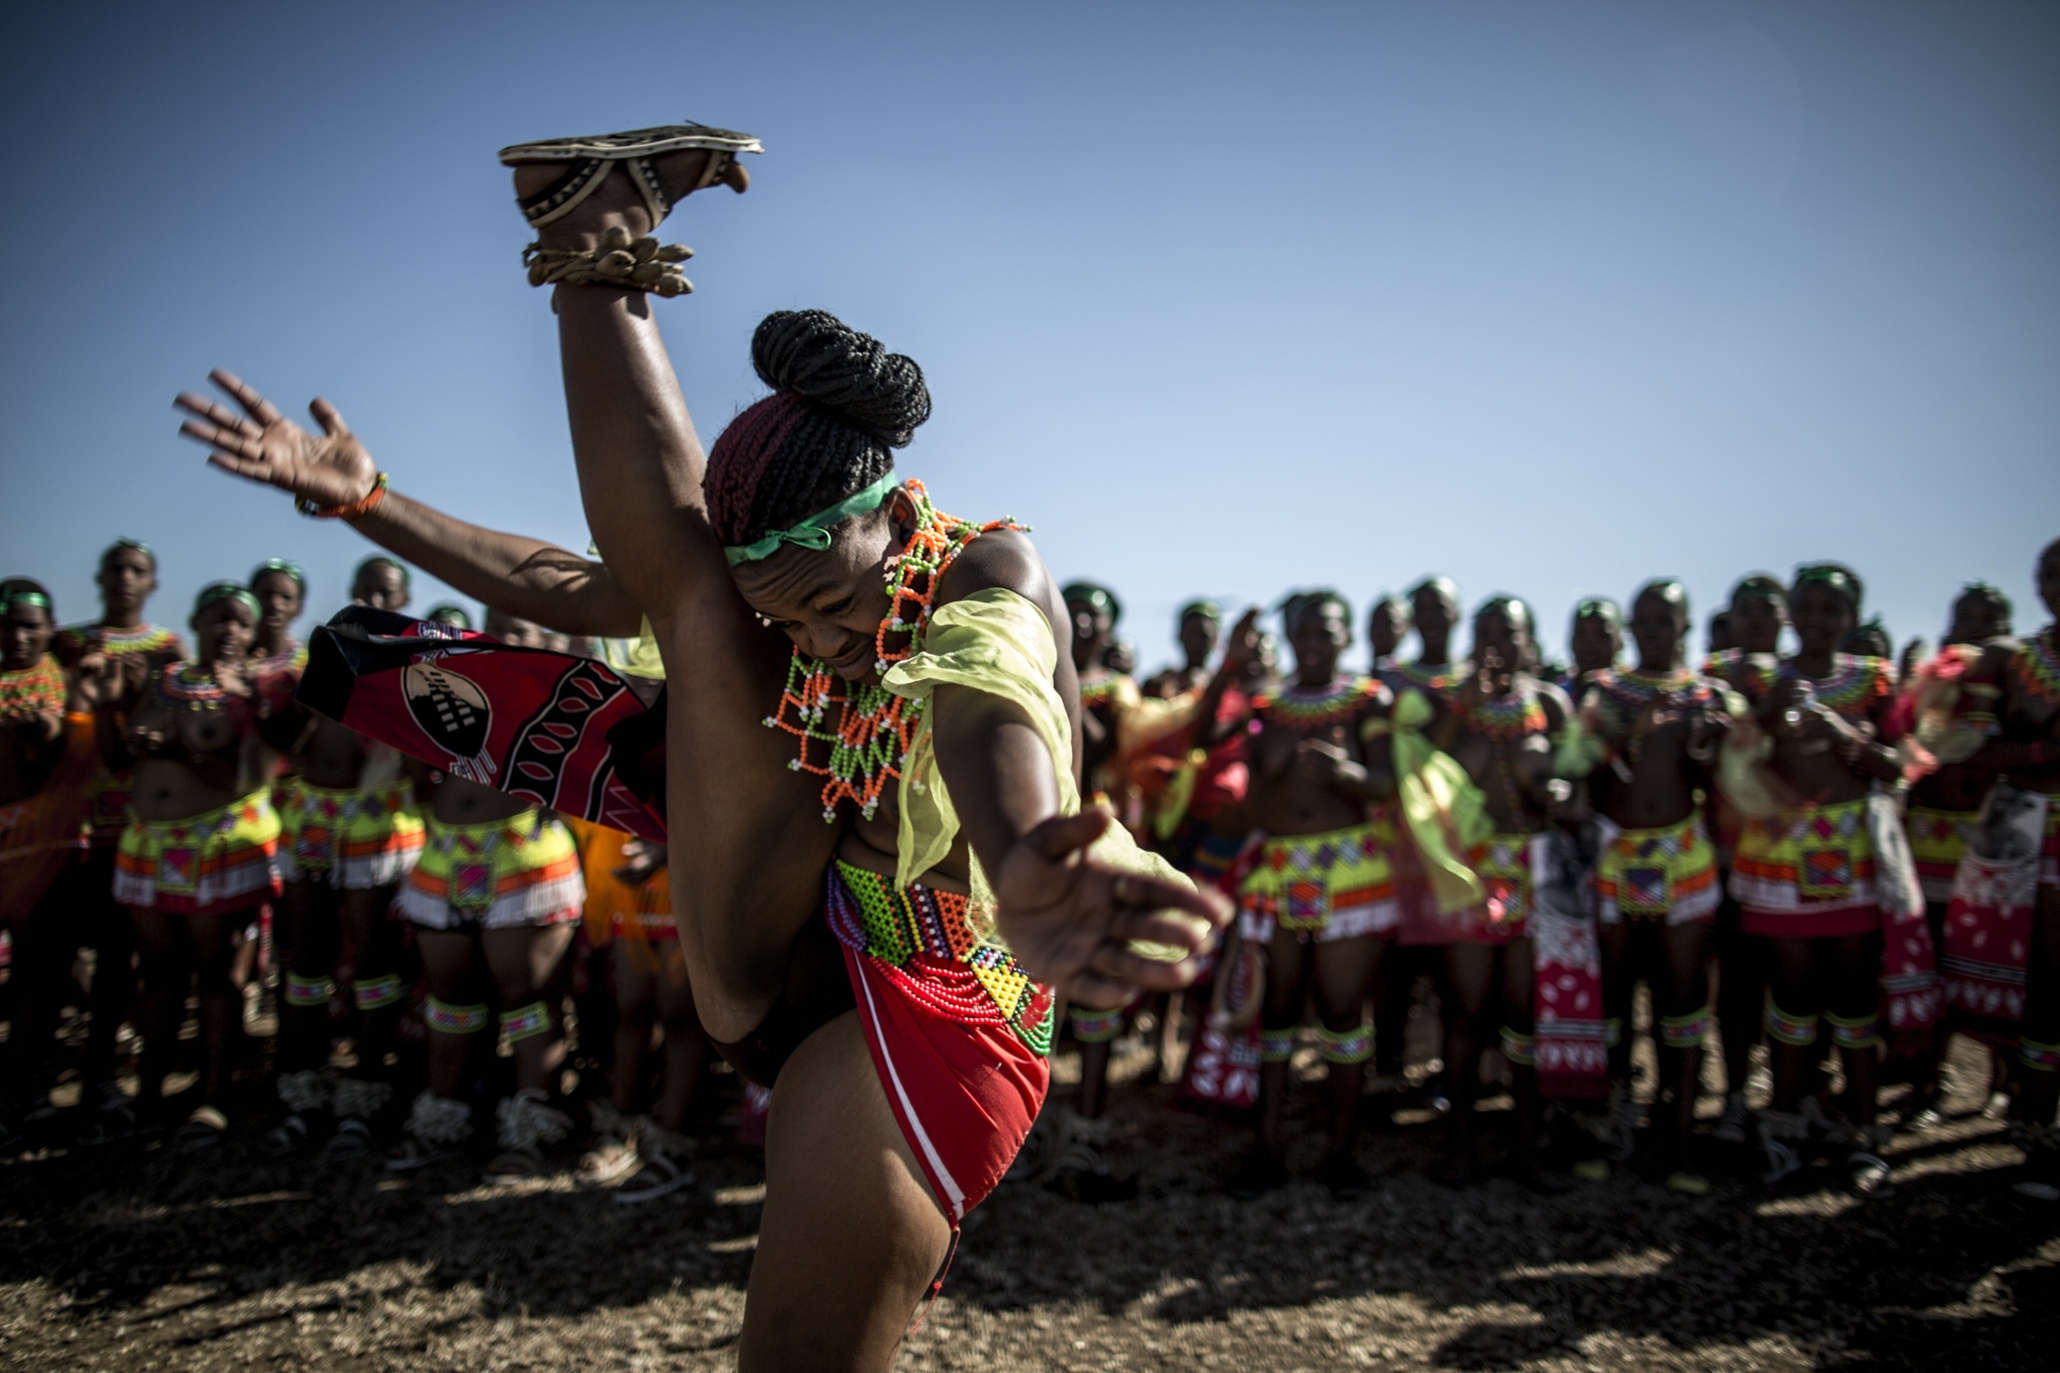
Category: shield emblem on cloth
<point>451,709</point>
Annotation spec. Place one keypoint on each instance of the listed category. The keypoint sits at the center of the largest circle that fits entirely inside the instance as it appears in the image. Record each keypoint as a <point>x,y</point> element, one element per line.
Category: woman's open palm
<point>330,468</point>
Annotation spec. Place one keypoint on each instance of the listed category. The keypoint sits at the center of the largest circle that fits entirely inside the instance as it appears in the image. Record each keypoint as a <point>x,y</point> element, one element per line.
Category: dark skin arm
<point>1239,646</point>
<point>1003,780</point>
<point>525,577</point>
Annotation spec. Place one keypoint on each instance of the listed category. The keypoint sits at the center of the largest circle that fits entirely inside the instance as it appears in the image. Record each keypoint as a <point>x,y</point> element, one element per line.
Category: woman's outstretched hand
<point>1070,920</point>
<point>326,469</point>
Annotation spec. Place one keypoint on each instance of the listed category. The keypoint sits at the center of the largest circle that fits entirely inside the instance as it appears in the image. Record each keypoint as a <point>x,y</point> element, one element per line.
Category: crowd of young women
<point>918,814</point>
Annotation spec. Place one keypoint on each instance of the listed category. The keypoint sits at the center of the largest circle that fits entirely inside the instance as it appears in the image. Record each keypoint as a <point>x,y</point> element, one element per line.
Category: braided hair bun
<point>840,403</point>
<point>848,376</point>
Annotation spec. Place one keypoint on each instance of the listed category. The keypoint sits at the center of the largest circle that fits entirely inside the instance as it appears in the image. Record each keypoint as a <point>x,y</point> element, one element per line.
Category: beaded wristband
<point>349,509</point>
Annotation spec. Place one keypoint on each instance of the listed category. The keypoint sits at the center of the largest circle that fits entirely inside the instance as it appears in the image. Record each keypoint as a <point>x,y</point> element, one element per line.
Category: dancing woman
<point>199,853</point>
<point>1805,873</point>
<point>1657,880</point>
<point>904,1030</point>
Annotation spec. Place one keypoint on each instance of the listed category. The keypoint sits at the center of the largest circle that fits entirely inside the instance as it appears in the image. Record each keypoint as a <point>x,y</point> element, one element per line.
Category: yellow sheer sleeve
<point>996,642</point>
<point>1445,812</point>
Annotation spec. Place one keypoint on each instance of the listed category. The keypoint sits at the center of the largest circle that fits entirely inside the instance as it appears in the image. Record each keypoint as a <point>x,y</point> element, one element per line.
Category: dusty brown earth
<point>130,1258</point>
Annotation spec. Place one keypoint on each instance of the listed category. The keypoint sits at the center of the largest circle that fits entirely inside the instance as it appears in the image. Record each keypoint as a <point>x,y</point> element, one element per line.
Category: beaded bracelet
<point>349,510</point>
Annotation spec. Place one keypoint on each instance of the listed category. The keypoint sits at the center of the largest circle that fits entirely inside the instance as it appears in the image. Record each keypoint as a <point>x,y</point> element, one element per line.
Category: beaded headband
<point>1835,577</point>
<point>286,565</point>
<point>813,533</point>
<point>450,615</point>
<point>119,544</point>
<point>226,591</point>
<point>1599,608</point>
<point>1759,588</point>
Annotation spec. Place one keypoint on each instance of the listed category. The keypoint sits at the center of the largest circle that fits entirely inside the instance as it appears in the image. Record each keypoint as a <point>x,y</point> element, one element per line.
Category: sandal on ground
<point>353,1139</point>
<point>661,1176</point>
<point>1869,1174</point>
<point>528,1124</point>
<point>203,1130</point>
<point>438,1128</point>
<point>610,1160</point>
<point>288,1137</point>
<point>591,159</point>
<point>668,1158</point>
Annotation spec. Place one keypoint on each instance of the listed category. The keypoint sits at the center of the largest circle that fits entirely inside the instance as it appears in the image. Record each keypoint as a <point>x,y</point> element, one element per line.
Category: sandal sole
<point>615,147</point>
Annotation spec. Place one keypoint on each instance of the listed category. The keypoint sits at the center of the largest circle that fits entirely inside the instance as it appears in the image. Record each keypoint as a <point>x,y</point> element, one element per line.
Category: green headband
<point>223,591</point>
<point>290,568</point>
<point>1208,610</point>
<point>1599,607</point>
<point>1100,597</point>
<point>1835,577</point>
<point>24,596</point>
<point>813,533</point>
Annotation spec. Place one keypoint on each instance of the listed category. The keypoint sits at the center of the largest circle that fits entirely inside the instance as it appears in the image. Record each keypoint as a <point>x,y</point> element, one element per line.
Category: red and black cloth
<point>555,730</point>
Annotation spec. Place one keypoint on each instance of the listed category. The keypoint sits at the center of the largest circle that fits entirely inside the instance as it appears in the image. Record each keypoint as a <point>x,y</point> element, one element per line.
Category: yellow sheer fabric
<point>1445,812</point>
<point>996,642</point>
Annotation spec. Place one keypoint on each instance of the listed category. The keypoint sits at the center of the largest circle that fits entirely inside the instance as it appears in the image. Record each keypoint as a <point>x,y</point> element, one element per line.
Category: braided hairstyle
<point>840,402</point>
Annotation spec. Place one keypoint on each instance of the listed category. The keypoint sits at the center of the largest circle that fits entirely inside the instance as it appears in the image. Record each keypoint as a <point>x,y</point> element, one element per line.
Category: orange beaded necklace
<point>874,727</point>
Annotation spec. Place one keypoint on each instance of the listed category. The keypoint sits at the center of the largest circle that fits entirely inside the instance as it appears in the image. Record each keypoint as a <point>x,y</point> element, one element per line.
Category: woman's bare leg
<point>449,964</point>
<point>524,962</point>
<point>635,966</point>
<point>1345,973</point>
<point>851,1237</point>
<point>747,827</point>
<point>686,1044</point>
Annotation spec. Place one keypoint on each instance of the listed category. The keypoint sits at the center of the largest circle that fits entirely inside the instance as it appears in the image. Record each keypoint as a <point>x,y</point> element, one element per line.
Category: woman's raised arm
<point>524,577</point>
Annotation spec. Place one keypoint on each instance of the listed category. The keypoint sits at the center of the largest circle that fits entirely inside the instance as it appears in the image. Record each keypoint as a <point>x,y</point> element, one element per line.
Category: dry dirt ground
<point>130,1258</point>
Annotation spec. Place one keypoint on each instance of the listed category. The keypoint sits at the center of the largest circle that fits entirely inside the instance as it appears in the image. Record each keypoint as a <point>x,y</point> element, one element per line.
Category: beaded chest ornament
<point>874,728</point>
<point>33,691</point>
<point>2037,666</point>
<point>184,687</point>
<point>1318,707</point>
<point>1507,717</point>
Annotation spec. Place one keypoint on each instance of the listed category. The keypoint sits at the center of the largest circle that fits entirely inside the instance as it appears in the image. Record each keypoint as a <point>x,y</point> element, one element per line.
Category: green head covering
<point>12,596</point>
<point>1096,595</point>
<point>380,560</point>
<point>119,544</point>
<point>225,591</point>
<point>1208,610</point>
<point>286,565</point>
<point>1598,608</point>
<point>813,533</point>
<point>1758,587</point>
<point>451,615</point>
<point>1834,575</point>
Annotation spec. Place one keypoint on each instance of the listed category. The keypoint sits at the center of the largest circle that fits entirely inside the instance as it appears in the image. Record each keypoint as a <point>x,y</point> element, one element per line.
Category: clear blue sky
<point>1222,299</point>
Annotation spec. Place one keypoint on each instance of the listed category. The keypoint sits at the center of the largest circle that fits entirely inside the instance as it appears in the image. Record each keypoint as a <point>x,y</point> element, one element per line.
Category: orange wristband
<point>349,509</point>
